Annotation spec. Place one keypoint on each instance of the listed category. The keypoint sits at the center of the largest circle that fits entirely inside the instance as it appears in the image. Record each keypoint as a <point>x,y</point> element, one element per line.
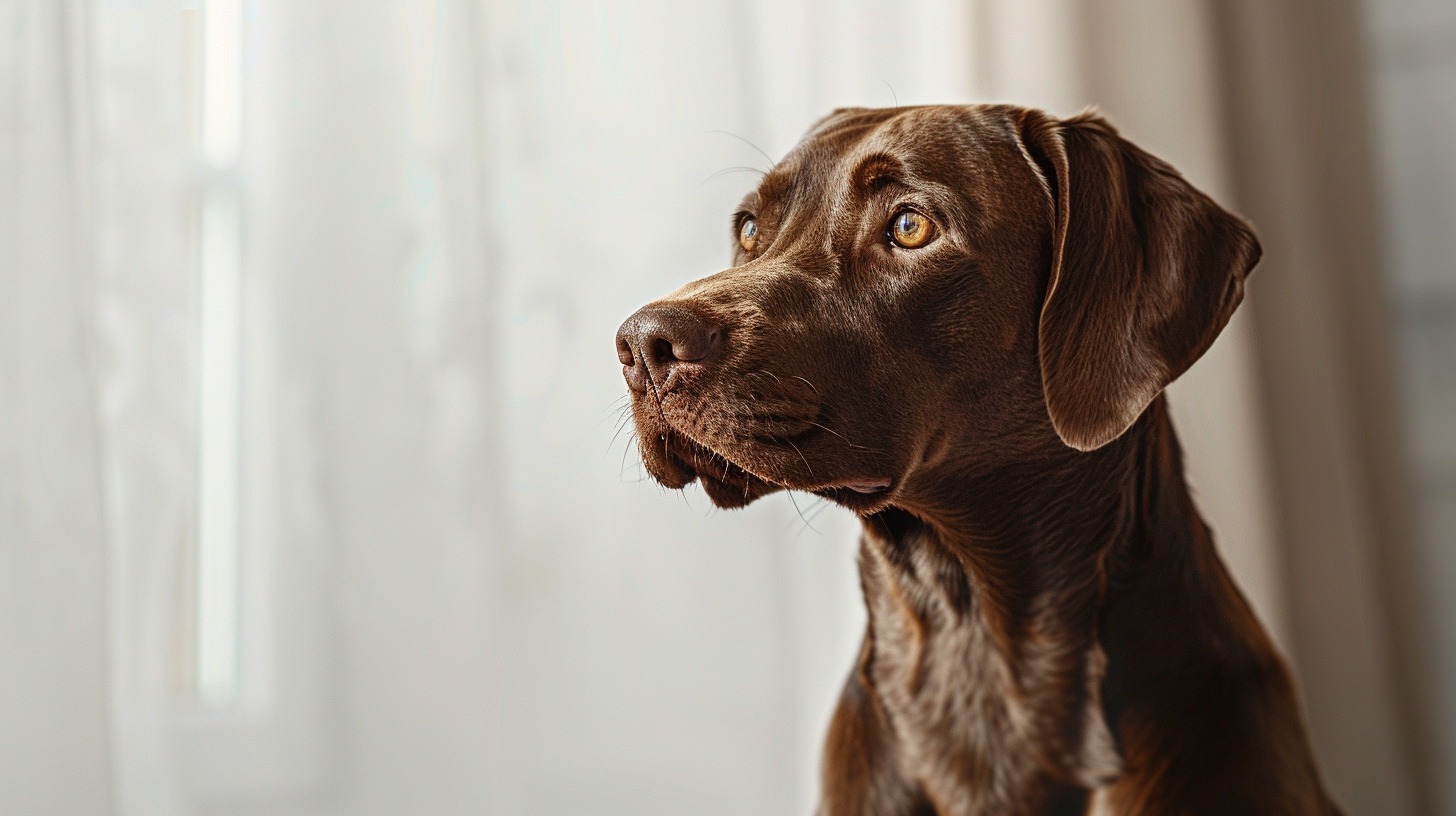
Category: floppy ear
<point>1145,272</point>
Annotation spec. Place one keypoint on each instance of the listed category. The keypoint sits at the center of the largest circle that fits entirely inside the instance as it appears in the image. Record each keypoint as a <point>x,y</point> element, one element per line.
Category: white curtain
<point>453,591</point>
<point>53,722</point>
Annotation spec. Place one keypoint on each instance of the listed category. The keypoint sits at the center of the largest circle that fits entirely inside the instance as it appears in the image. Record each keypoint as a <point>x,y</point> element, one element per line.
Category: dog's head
<point>916,285</point>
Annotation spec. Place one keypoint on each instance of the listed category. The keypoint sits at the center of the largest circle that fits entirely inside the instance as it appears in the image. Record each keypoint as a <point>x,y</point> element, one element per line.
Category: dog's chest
<point>977,730</point>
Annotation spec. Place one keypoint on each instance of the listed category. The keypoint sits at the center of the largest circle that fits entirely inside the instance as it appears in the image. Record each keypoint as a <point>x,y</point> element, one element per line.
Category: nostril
<point>659,337</point>
<point>699,347</point>
<point>685,346</point>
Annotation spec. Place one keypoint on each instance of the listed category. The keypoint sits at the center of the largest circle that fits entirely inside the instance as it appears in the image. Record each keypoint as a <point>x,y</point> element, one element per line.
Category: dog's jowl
<point>958,322</point>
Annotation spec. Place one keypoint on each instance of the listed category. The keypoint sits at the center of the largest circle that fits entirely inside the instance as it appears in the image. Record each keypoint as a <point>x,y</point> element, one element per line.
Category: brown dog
<point>958,323</point>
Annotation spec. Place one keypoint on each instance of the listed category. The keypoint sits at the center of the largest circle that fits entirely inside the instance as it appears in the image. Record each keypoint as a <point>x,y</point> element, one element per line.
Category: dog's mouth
<point>863,496</point>
<point>676,460</point>
<point>680,461</point>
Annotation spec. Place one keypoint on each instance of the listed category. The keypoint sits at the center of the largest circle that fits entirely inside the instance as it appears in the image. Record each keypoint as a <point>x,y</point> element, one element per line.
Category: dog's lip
<point>868,485</point>
<point>864,485</point>
<point>690,441</point>
<point>862,497</point>
<point>860,493</point>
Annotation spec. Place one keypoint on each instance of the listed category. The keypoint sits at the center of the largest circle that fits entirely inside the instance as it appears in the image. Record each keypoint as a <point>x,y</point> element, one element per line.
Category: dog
<point>958,322</point>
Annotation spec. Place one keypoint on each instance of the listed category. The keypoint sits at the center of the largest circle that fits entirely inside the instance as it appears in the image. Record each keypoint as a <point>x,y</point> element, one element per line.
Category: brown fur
<point>1050,629</point>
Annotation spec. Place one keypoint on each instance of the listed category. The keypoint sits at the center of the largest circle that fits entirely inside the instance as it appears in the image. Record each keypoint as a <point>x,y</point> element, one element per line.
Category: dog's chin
<point>729,495</point>
<point>676,462</point>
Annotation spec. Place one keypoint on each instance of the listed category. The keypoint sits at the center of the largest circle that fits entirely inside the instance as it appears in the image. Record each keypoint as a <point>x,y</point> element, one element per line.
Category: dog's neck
<point>1033,570</point>
<point>1056,532</point>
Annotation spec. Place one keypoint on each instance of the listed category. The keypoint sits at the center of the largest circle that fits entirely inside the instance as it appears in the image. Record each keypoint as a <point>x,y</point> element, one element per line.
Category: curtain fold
<point>53,725</point>
<point>1363,632</point>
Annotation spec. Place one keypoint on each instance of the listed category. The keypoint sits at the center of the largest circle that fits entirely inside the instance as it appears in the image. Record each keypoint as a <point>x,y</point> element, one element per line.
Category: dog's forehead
<point>934,143</point>
<point>933,140</point>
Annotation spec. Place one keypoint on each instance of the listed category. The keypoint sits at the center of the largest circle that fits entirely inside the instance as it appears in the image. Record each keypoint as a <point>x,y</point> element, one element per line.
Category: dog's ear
<point>1145,272</point>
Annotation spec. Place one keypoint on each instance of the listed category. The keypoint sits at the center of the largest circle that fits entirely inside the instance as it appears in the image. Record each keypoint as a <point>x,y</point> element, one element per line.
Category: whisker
<point>846,441</point>
<point>800,512</point>
<point>725,171</point>
<point>621,425</point>
<point>791,444</point>
<point>626,449</point>
<point>770,159</point>
<point>616,407</point>
<point>821,504</point>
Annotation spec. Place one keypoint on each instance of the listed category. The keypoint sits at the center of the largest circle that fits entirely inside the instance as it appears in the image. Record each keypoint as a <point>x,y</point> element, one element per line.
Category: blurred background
<point>310,500</point>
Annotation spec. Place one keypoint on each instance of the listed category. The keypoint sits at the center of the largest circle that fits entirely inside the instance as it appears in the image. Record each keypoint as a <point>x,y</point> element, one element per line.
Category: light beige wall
<point>1297,123</point>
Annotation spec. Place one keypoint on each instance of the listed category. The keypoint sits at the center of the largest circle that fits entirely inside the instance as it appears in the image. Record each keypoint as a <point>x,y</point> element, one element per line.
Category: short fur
<point>1050,628</point>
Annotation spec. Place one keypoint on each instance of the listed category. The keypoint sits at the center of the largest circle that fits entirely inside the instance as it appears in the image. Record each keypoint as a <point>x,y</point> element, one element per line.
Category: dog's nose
<point>660,338</point>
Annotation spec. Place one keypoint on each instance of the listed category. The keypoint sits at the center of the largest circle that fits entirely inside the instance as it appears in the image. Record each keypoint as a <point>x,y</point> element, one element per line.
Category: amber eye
<point>911,230</point>
<point>748,234</point>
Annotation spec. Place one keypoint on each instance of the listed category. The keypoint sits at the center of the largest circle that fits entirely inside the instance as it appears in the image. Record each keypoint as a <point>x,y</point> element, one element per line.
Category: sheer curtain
<point>53,722</point>
<point>308,481</point>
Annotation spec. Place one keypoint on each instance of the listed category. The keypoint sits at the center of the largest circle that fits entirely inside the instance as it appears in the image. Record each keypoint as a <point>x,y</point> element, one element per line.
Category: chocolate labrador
<point>958,322</point>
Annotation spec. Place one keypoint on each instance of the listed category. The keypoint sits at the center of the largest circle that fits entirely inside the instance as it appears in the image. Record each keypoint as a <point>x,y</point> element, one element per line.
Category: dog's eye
<point>748,234</point>
<point>911,230</point>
